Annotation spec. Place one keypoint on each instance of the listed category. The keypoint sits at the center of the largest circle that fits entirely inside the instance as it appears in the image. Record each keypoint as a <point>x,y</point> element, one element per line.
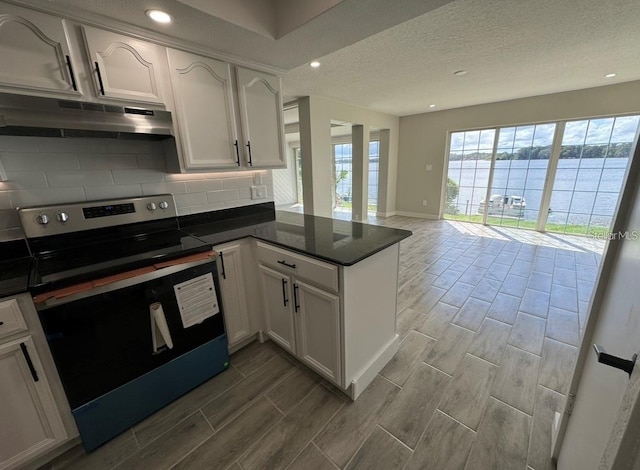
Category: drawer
<point>294,264</point>
<point>11,319</point>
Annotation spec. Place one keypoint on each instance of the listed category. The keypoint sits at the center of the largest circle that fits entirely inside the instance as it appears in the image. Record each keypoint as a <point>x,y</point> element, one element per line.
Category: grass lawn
<point>531,225</point>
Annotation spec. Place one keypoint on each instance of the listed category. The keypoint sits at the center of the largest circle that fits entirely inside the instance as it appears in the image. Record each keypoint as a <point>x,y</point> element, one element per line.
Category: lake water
<point>581,188</point>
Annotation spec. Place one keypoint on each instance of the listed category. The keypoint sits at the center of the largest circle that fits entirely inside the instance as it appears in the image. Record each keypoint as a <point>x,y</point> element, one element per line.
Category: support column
<point>360,176</point>
<point>315,148</point>
<point>383,171</point>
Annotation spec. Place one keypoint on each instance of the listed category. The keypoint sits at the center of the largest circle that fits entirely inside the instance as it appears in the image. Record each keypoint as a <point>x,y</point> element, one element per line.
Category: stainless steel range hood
<point>51,117</point>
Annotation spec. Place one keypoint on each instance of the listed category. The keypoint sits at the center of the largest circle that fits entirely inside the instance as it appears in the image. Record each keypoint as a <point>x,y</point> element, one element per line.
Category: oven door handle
<point>132,281</point>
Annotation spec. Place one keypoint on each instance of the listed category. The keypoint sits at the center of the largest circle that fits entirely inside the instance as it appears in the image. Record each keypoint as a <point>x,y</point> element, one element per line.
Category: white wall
<point>423,137</point>
<point>52,170</point>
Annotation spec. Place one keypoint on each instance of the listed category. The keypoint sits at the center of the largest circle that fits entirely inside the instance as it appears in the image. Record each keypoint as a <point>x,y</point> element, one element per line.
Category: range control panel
<point>75,217</point>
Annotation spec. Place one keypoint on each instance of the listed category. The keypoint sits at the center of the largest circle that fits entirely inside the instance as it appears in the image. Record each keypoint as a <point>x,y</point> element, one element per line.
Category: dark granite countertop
<point>15,264</point>
<point>337,241</point>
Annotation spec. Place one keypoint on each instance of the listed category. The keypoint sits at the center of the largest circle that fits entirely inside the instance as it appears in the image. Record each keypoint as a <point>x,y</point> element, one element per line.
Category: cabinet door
<point>123,68</point>
<point>318,321</point>
<point>31,422</point>
<point>34,52</point>
<point>205,114</point>
<point>261,116</point>
<point>234,300</point>
<point>276,294</point>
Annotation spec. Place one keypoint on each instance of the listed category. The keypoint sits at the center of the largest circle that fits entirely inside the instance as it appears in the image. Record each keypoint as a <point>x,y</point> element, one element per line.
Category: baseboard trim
<point>418,215</point>
<point>366,376</point>
<point>385,214</point>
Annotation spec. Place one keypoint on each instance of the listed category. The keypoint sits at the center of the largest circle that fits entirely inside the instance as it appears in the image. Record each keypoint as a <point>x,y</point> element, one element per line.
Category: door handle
<point>615,361</point>
<point>224,271</point>
<point>27,358</point>
<point>100,79</point>
<point>296,305</point>
<point>285,300</point>
<point>73,78</point>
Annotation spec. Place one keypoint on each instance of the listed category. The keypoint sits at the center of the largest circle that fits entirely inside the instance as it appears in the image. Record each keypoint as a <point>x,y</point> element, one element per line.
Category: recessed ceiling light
<point>610,75</point>
<point>315,64</point>
<point>459,73</point>
<point>159,16</point>
<point>432,105</point>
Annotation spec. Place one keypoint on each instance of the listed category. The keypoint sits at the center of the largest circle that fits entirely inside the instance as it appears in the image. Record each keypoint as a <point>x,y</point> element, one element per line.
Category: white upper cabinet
<point>34,52</point>
<point>260,101</point>
<point>124,68</point>
<point>204,110</point>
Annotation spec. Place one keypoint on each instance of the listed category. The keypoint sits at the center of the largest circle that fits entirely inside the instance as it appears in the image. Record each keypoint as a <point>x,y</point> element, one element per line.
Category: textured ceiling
<point>347,22</point>
<point>511,49</point>
<point>399,56</point>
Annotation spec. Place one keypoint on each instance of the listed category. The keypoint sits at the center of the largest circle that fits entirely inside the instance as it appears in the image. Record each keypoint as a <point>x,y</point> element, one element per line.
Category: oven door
<point>109,336</point>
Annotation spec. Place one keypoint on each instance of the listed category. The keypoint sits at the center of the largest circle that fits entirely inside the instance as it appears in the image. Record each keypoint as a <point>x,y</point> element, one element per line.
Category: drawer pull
<point>284,292</point>
<point>32,369</point>
<point>283,262</point>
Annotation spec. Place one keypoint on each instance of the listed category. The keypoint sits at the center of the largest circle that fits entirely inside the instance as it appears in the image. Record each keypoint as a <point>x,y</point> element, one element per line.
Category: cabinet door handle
<point>237,153</point>
<point>284,292</point>
<point>100,79</point>
<point>73,77</point>
<point>224,271</point>
<point>296,305</point>
<point>32,369</point>
<point>283,262</point>
<point>249,146</point>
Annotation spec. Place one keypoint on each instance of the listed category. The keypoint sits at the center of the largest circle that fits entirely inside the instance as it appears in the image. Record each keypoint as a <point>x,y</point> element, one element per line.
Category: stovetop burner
<point>100,238</point>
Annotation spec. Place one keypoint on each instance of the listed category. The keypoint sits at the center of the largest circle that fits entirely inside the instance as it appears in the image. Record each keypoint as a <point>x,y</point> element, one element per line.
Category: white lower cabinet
<point>304,320</point>
<point>237,280</point>
<point>317,316</point>
<point>276,294</point>
<point>31,423</point>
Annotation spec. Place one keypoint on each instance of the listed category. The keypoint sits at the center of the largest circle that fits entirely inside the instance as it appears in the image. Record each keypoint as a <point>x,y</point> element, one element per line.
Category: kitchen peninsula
<point>327,288</point>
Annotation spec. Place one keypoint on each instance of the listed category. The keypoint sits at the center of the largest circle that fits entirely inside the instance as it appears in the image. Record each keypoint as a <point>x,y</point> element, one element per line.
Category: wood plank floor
<point>489,319</point>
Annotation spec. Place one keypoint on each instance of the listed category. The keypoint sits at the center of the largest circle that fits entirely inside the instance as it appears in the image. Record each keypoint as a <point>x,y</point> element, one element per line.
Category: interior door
<point>614,323</point>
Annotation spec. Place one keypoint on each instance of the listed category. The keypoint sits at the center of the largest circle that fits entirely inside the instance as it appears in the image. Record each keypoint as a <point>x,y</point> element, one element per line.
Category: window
<point>374,175</point>
<point>343,171</point>
<point>585,175</point>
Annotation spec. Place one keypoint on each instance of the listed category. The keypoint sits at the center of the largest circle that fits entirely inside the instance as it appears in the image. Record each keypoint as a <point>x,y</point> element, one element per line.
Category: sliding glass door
<point>591,167</point>
<point>520,169</point>
<point>558,177</point>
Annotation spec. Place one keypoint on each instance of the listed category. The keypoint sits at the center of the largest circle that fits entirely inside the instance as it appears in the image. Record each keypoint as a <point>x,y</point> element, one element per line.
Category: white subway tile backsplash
<point>27,179</point>
<point>40,197</point>
<point>18,144</point>
<point>244,193</point>
<point>207,207</point>
<point>164,188</point>
<point>188,200</point>
<point>74,179</point>
<point>233,183</point>
<point>72,145</point>
<point>151,162</point>
<point>53,170</point>
<point>203,186</point>
<point>5,200</point>
<point>137,176</point>
<point>18,161</point>
<point>113,191</point>
<point>105,161</point>
<point>223,196</point>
